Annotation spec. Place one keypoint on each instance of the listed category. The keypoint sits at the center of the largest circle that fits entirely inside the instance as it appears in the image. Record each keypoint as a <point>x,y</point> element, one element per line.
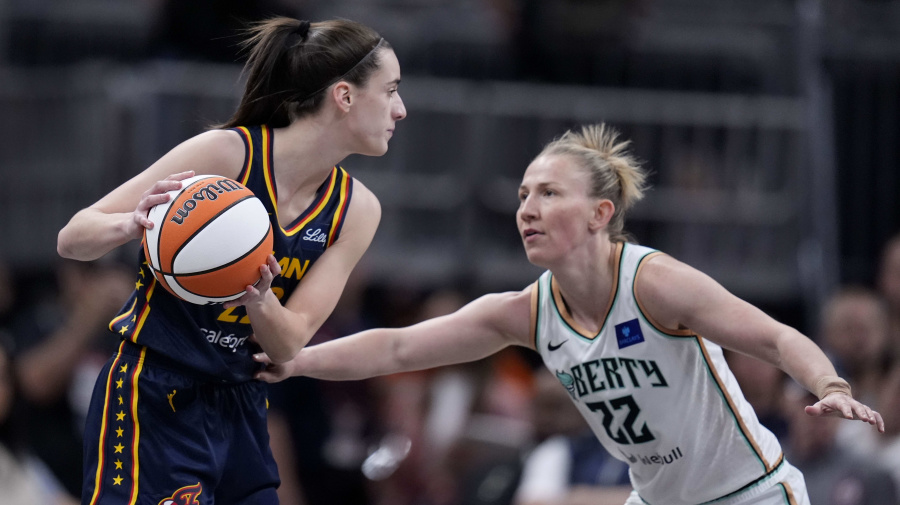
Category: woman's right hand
<point>157,194</point>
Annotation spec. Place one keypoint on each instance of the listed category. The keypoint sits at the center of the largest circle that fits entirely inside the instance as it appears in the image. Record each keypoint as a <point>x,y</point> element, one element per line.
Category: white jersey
<point>662,400</point>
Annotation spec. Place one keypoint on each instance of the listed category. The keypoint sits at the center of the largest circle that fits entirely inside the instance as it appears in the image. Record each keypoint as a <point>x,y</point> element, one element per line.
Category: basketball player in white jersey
<point>634,336</point>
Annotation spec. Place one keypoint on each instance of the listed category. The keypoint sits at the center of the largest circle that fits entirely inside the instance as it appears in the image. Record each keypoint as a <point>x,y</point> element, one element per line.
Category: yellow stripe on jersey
<point>98,477</point>
<point>269,176</point>
<point>267,167</point>
<point>249,141</point>
<point>135,462</point>
<point>341,207</point>
<point>144,312</point>
<point>123,316</point>
<point>318,208</point>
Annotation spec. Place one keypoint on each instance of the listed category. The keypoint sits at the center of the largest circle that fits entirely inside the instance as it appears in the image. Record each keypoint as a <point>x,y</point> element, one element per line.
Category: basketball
<point>209,240</point>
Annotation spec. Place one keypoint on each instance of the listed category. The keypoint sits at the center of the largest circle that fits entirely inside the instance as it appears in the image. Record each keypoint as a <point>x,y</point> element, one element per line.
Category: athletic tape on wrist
<point>831,384</point>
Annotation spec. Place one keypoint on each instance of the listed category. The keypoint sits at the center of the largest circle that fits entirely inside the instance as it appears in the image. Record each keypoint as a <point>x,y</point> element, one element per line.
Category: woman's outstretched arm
<point>475,331</point>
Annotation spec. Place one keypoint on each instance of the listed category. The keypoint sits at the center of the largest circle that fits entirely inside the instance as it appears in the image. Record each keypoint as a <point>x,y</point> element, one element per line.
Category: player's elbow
<point>283,355</point>
<point>64,244</point>
<point>285,350</point>
<point>399,356</point>
<point>68,246</point>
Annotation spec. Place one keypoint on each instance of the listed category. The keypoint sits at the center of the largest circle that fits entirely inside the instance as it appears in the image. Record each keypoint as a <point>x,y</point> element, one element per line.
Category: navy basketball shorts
<point>155,436</point>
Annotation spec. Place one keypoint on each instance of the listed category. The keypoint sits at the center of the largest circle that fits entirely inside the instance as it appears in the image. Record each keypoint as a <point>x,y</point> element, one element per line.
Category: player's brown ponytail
<point>291,63</point>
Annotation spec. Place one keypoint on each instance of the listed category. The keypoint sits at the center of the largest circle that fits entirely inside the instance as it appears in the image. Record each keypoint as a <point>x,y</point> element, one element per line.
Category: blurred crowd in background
<point>497,431</point>
<point>500,431</point>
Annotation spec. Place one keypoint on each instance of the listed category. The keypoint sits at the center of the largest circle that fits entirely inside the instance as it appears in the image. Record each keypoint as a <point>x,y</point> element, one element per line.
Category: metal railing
<point>729,171</point>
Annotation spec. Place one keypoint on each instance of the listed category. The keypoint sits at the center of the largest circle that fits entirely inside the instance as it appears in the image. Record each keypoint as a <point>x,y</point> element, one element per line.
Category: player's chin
<point>375,148</point>
<point>535,257</point>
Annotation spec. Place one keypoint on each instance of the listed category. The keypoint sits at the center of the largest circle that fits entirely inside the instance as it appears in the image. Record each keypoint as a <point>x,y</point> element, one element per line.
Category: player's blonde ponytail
<point>615,173</point>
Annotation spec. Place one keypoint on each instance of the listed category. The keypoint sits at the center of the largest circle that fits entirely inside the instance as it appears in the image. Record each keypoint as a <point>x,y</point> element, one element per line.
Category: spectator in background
<point>23,478</point>
<point>320,431</point>
<point>568,466</point>
<point>429,410</point>
<point>465,423</point>
<point>61,343</point>
<point>854,332</point>
<point>854,327</point>
<point>833,475</point>
<point>888,281</point>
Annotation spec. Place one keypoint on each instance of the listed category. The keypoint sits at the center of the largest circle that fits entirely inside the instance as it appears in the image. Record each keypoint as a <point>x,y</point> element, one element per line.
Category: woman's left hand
<point>256,293</point>
<point>843,405</point>
<point>273,372</point>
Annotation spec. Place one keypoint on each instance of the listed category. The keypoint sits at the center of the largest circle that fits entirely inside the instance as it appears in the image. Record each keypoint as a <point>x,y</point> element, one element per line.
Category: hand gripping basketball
<point>258,292</point>
<point>207,239</point>
<point>156,195</point>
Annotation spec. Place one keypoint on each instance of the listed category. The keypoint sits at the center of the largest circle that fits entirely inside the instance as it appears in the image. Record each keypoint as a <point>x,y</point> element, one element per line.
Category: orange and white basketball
<point>209,240</point>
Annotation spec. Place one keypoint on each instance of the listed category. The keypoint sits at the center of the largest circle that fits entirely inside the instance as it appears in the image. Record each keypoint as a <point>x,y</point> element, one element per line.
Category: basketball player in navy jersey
<point>176,416</point>
<point>633,335</point>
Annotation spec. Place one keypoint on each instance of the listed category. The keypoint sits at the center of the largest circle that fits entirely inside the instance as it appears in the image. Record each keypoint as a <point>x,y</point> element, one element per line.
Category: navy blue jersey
<point>212,342</point>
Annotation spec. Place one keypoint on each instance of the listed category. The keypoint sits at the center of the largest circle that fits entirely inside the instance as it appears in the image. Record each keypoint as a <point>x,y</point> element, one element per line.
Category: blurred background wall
<point>770,126</point>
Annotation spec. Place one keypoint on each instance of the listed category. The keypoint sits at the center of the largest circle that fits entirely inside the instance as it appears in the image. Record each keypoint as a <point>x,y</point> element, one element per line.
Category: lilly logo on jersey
<point>315,236</point>
<point>186,495</point>
<point>654,459</point>
<point>209,192</point>
<point>629,333</point>
<point>315,239</point>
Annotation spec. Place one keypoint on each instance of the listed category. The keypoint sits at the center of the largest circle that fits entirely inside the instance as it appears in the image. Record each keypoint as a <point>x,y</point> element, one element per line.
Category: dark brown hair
<point>292,62</point>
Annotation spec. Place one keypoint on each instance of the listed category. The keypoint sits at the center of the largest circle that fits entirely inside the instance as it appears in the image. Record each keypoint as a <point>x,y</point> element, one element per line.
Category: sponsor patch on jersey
<point>629,333</point>
<point>314,238</point>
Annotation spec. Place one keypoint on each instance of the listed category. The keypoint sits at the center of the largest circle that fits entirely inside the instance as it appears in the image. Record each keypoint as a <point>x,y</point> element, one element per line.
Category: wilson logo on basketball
<point>209,192</point>
<point>184,496</point>
<point>208,240</point>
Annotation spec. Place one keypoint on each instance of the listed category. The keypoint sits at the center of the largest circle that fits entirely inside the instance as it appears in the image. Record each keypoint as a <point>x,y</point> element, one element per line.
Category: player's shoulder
<point>661,268</point>
<point>364,202</point>
<point>509,312</point>
<point>222,142</point>
<point>362,217</point>
<point>214,151</point>
<point>664,281</point>
<point>510,299</point>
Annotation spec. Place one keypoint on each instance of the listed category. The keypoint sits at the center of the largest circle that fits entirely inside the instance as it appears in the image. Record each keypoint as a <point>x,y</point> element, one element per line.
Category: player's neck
<point>303,155</point>
<point>586,283</point>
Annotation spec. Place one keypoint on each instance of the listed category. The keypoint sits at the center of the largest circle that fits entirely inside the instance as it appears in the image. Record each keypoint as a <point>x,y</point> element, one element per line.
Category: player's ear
<point>342,95</point>
<point>603,213</point>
